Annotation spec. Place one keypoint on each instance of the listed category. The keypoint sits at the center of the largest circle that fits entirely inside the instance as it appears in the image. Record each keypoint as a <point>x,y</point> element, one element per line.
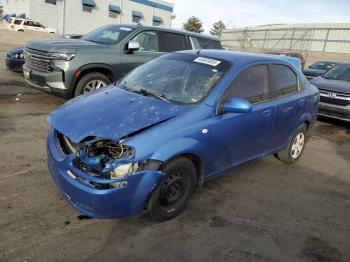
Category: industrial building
<point>314,37</point>
<point>82,16</point>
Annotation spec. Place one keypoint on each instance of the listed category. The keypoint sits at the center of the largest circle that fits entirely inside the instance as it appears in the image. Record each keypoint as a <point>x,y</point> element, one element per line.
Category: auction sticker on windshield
<point>207,61</point>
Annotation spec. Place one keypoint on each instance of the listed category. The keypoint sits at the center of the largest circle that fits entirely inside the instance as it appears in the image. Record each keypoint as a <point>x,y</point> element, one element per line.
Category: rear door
<point>171,42</point>
<point>285,92</point>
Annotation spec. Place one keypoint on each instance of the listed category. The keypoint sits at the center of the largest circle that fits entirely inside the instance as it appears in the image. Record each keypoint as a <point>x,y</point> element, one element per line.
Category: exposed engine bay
<point>100,157</point>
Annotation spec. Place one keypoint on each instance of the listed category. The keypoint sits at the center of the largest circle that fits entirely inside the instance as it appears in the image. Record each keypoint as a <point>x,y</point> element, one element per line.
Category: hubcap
<point>172,189</point>
<point>298,145</point>
<point>94,85</point>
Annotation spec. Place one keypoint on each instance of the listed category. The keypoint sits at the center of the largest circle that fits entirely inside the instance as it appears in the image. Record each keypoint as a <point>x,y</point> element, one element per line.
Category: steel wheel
<point>298,145</point>
<point>173,189</point>
<point>94,85</point>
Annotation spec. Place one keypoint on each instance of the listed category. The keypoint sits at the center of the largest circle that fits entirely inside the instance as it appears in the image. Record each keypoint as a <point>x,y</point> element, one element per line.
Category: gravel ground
<point>263,211</point>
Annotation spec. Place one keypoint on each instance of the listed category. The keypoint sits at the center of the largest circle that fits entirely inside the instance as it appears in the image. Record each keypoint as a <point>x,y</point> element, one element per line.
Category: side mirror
<point>237,105</point>
<point>133,46</point>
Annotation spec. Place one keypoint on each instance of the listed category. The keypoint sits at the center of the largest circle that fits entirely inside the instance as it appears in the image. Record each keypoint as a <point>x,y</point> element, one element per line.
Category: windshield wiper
<point>150,94</point>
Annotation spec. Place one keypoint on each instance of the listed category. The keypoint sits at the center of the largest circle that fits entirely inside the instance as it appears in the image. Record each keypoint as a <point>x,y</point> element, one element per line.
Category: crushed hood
<point>332,85</point>
<point>110,113</point>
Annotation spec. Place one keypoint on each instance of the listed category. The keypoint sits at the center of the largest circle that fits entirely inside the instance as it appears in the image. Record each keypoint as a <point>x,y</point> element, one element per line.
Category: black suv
<point>70,67</point>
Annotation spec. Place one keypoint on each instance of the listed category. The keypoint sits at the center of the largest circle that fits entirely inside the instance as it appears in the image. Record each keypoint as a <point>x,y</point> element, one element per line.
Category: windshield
<point>322,65</point>
<point>109,34</point>
<point>180,78</point>
<point>338,72</point>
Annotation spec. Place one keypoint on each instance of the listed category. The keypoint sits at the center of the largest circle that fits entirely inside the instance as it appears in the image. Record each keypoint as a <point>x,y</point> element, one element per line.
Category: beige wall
<point>16,7</point>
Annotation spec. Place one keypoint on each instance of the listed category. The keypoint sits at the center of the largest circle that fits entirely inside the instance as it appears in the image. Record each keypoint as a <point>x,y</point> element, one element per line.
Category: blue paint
<point>161,130</point>
<point>154,4</point>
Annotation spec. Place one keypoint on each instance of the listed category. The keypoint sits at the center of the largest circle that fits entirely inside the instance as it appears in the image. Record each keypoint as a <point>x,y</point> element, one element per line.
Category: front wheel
<point>171,195</point>
<point>295,147</point>
<point>90,82</point>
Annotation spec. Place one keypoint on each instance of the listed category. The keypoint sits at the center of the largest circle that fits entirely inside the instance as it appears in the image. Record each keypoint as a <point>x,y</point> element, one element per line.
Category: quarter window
<point>169,42</point>
<point>252,84</point>
<point>148,41</point>
<point>18,22</point>
<point>284,81</point>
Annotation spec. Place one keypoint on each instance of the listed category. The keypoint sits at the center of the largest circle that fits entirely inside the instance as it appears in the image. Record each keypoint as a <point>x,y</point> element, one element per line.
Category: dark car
<point>71,67</point>
<point>318,68</point>
<point>334,88</point>
<point>15,59</point>
<point>174,123</point>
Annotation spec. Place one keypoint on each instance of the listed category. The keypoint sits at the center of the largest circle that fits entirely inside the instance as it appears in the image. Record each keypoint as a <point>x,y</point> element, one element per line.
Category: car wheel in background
<point>295,147</point>
<point>171,195</point>
<point>90,82</point>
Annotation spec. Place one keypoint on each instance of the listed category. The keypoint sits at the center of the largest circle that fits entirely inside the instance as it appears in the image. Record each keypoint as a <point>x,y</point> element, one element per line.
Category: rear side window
<point>18,22</point>
<point>170,42</point>
<point>148,41</point>
<point>284,81</point>
<point>251,84</point>
<point>209,43</point>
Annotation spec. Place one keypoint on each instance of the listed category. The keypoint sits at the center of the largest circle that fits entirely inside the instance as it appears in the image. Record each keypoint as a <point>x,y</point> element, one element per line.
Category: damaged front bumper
<point>127,198</point>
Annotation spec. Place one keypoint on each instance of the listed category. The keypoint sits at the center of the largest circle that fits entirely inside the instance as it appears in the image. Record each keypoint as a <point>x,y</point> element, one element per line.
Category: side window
<point>28,23</point>
<point>209,43</point>
<point>284,81</point>
<point>18,22</point>
<point>195,43</point>
<point>148,41</point>
<point>251,84</point>
<point>170,42</point>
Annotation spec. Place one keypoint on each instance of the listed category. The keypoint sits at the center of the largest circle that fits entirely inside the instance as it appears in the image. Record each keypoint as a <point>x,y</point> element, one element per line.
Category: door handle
<point>267,113</point>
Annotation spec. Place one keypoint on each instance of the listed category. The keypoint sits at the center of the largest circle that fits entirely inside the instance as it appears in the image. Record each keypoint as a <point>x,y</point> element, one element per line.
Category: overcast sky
<point>241,13</point>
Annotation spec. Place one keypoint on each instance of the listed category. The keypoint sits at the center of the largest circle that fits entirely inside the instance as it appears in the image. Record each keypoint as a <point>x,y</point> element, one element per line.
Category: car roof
<point>235,57</point>
<point>167,29</point>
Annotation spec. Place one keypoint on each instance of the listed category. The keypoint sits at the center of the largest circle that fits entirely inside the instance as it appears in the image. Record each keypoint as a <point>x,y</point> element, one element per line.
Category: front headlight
<point>124,170</point>
<point>63,56</point>
<point>16,56</point>
<point>21,55</point>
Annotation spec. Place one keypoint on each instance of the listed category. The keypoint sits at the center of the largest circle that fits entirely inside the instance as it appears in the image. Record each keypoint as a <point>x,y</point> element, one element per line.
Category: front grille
<point>38,60</point>
<point>341,115</point>
<point>334,101</point>
<point>334,98</point>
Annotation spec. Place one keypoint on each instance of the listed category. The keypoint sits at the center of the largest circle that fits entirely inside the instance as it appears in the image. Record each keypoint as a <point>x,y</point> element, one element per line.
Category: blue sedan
<point>148,141</point>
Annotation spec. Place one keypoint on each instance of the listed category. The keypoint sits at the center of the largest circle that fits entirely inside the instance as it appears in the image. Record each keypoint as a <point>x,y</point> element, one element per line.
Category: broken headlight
<point>106,158</point>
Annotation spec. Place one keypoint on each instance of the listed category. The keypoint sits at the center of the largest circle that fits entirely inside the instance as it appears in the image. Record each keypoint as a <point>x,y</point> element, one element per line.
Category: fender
<point>181,146</point>
<point>93,66</point>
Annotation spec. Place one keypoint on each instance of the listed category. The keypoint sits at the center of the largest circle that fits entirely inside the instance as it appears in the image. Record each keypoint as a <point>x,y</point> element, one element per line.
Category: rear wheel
<point>90,82</point>
<point>172,193</point>
<point>295,147</point>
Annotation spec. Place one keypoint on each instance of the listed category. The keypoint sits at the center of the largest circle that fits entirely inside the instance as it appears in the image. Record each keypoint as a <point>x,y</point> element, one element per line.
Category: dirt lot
<point>264,211</point>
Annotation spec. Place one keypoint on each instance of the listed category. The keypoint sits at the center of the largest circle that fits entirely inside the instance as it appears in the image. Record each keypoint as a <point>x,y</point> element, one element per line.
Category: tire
<point>88,80</point>
<point>171,195</point>
<point>295,149</point>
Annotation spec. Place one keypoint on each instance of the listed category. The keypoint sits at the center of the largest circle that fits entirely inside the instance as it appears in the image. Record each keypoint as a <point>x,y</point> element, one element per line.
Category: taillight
<point>13,26</point>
